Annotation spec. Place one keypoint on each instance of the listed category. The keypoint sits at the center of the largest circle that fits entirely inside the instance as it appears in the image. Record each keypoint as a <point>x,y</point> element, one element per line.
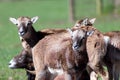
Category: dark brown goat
<point>23,60</point>
<point>26,30</point>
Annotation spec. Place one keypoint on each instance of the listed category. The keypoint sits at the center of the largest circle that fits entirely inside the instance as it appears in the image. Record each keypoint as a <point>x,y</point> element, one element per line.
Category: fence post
<point>99,7</point>
<point>71,10</point>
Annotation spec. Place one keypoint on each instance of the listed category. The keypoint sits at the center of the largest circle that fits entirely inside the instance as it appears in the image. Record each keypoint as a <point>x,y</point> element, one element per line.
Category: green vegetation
<point>53,14</point>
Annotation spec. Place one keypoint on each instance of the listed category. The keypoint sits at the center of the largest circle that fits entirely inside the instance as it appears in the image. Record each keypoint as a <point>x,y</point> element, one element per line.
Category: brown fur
<point>83,22</point>
<point>44,52</point>
<point>54,31</point>
<point>96,49</point>
<point>112,57</point>
<point>32,37</point>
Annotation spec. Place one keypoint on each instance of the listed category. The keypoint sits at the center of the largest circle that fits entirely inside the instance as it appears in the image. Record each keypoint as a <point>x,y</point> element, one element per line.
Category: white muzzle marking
<point>12,64</point>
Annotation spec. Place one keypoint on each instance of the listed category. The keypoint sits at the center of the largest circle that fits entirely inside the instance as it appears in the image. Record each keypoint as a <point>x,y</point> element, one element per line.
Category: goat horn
<point>32,72</point>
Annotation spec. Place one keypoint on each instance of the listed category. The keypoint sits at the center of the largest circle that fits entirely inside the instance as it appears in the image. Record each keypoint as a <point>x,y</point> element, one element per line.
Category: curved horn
<point>32,72</point>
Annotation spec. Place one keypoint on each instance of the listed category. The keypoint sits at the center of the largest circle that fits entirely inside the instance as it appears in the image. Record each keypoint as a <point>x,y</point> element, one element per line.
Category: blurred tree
<point>99,7</point>
<point>116,5</point>
<point>71,10</point>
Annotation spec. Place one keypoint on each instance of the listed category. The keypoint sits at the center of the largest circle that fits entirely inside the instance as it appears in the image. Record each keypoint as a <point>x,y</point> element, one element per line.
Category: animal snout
<point>9,63</point>
<point>12,64</point>
<point>75,47</point>
<point>21,33</point>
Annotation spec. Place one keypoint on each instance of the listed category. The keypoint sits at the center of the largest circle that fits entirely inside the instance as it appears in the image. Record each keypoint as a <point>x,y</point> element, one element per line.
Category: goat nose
<point>21,33</point>
<point>75,46</point>
<point>9,63</point>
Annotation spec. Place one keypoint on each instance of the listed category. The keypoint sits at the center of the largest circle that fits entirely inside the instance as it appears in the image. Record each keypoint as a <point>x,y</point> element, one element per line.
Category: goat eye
<point>19,59</point>
<point>29,23</point>
<point>83,37</point>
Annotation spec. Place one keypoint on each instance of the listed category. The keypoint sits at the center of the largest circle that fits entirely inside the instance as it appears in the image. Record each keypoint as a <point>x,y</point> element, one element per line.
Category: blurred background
<point>52,14</point>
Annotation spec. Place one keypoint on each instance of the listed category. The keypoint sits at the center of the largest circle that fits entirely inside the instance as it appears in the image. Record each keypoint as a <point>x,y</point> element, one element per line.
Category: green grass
<point>53,14</point>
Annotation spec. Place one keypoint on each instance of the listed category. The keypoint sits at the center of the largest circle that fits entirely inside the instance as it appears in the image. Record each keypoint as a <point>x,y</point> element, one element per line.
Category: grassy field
<point>53,14</point>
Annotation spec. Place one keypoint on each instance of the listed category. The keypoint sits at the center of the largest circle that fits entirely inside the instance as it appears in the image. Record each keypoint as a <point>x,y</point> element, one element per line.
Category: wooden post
<point>71,10</point>
<point>99,7</point>
<point>116,5</point>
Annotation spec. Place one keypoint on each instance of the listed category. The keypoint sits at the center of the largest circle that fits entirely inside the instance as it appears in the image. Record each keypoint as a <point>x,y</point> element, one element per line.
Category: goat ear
<point>13,20</point>
<point>77,24</point>
<point>92,20</point>
<point>89,33</point>
<point>34,19</point>
<point>70,31</point>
